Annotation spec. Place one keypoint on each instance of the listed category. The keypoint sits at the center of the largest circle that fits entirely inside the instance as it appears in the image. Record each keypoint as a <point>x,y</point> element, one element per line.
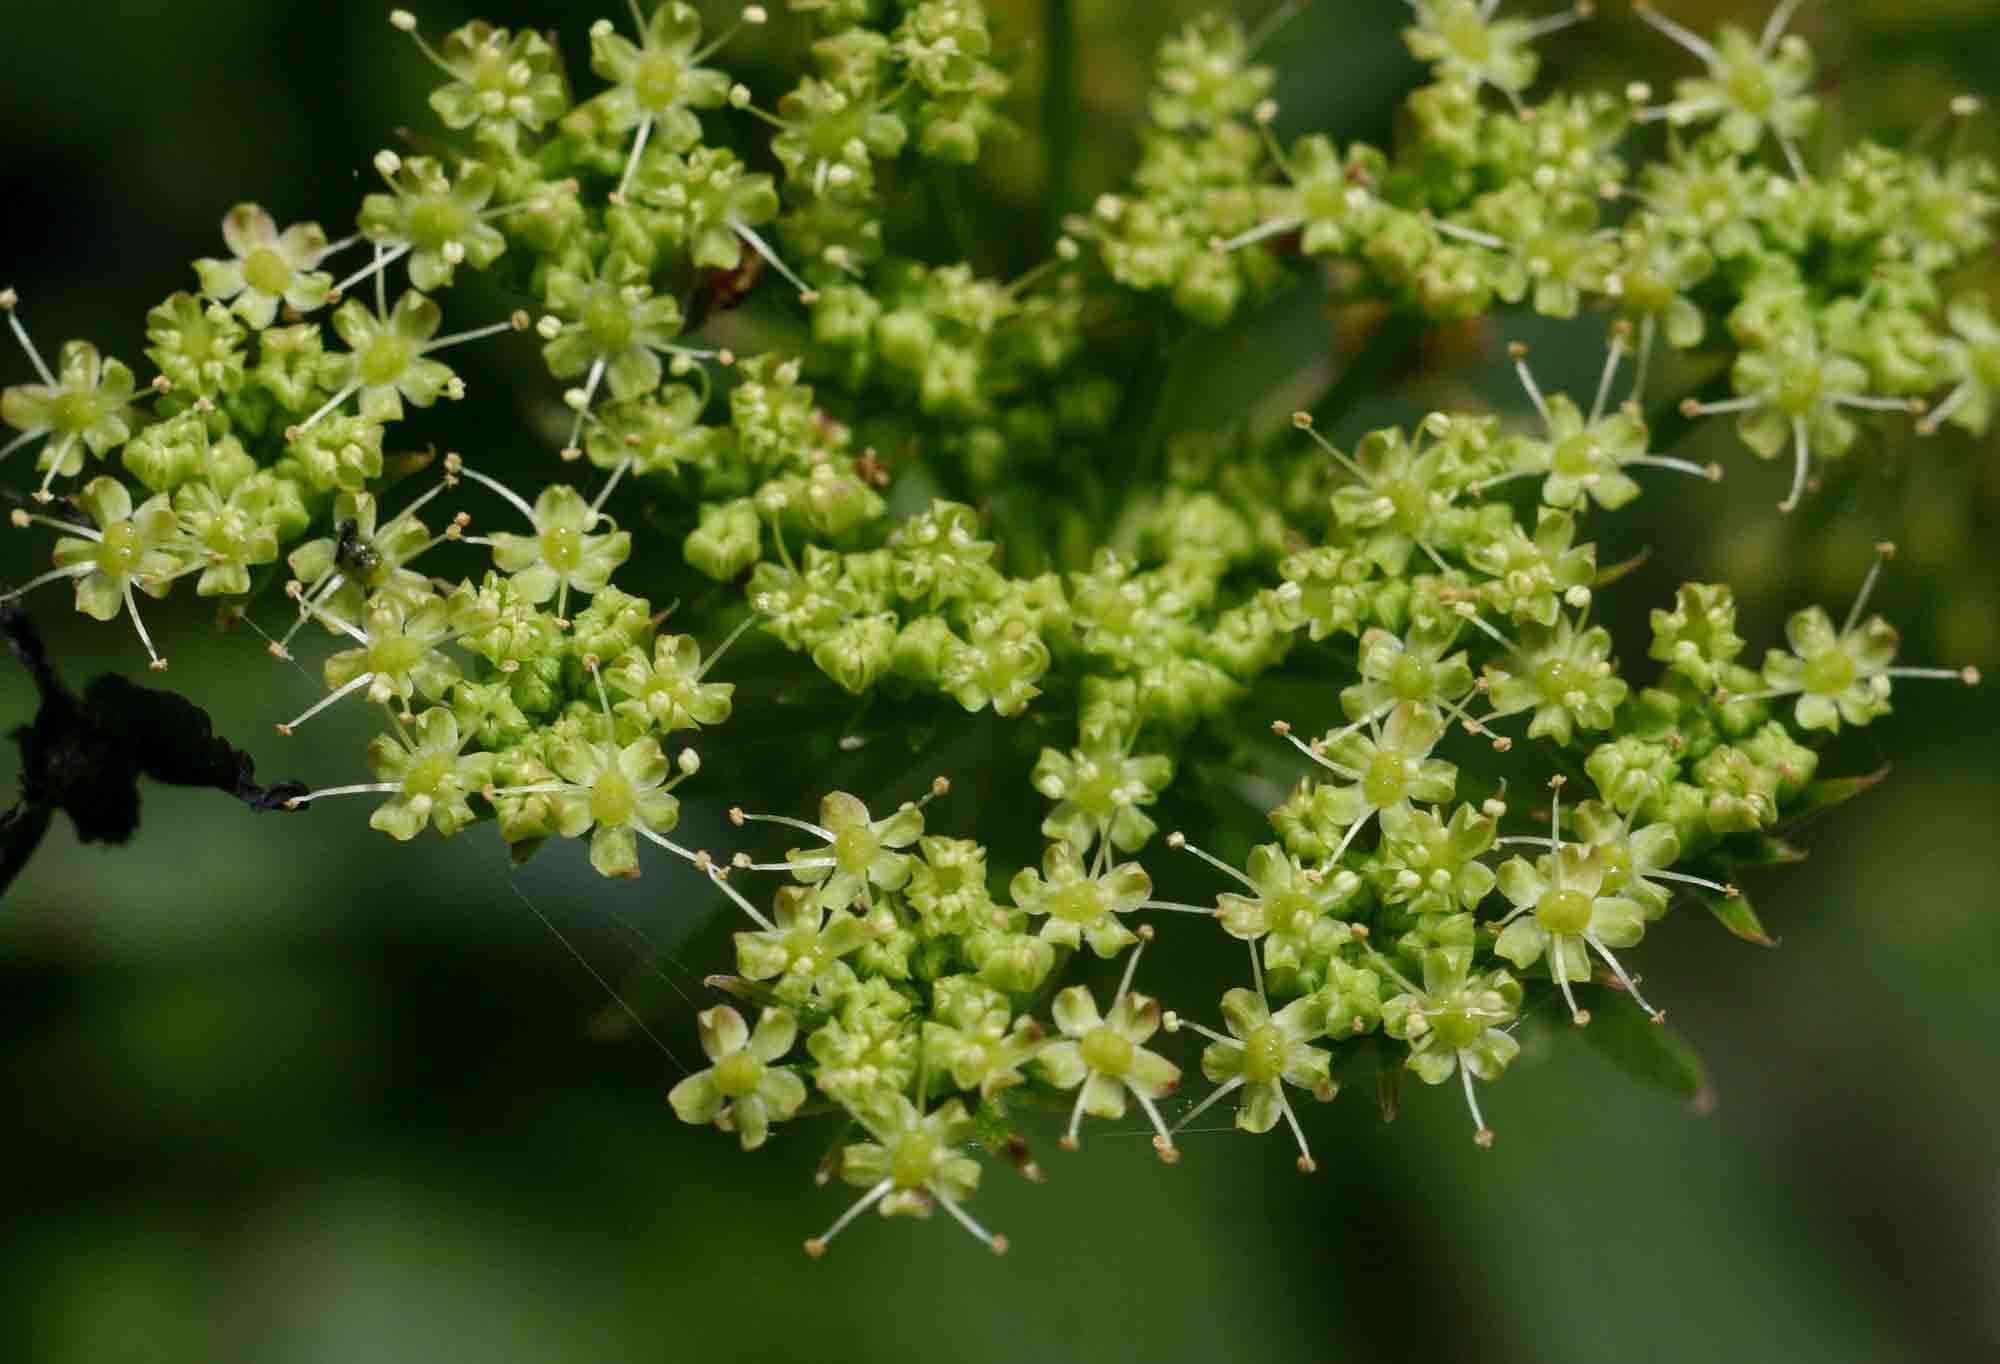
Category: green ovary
<point>384,360</point>
<point>1411,679</point>
<point>612,801</point>
<point>1565,912</point>
<point>609,324</point>
<point>738,1074</point>
<point>855,850</point>
<point>1829,673</point>
<point>1386,781</point>
<point>1076,903</point>
<point>436,219</point>
<point>1457,1025</point>
<point>911,1159</point>
<point>395,656</point>
<point>120,551</point>
<point>562,548</point>
<point>1105,1052</point>
<point>265,271</point>
<point>1555,679</point>
<point>1263,1055</point>
<point>657,83</point>
<point>427,775</point>
<point>1577,456</point>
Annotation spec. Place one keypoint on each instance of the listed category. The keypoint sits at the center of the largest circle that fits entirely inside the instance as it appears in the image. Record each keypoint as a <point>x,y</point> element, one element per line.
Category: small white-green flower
<point>915,1162</point>
<point>1101,1057</point>
<point>743,1090</point>
<point>266,267</point>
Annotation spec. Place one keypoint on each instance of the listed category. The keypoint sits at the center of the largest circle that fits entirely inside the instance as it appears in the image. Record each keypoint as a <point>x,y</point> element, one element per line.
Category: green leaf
<point>1765,850</point>
<point>1735,913</point>
<point>1824,795</point>
<point>1649,1052</point>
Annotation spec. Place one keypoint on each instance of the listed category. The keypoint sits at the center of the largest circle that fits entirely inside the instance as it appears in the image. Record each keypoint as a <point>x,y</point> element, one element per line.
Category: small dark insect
<point>356,557</point>
<point>85,755</point>
<point>719,291</point>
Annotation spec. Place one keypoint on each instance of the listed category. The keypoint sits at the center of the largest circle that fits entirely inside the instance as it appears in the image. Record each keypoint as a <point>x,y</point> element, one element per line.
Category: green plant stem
<point>1059,112</point>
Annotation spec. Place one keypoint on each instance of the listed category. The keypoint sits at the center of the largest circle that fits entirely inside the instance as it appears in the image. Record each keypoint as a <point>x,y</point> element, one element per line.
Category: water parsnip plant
<point>964,493</point>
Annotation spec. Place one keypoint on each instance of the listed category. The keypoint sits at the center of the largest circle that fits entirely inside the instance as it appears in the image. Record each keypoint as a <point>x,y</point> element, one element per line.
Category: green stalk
<point>1059,112</point>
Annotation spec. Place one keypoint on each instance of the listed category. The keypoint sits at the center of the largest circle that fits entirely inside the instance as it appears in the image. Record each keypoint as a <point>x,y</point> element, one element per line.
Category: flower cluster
<point>956,492</point>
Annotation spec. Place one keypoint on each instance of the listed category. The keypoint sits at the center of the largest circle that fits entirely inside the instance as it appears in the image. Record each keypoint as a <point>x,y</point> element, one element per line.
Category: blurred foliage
<point>296,1095</point>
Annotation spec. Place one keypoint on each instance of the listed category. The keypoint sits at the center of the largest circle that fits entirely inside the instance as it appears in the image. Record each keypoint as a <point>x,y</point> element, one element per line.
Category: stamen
<point>1275,228</point>
<point>1884,552</point>
<point>1520,354</point>
<point>1774,27</point>
<point>582,398</point>
<point>1555,23</point>
<point>632,161</point>
<point>1229,1087</point>
<point>158,664</point>
<point>816,1246</point>
<point>1303,421</point>
<point>1306,1162</point>
<point>1939,414</point>
<point>1621,331</point>
<point>382,261</point>
<point>1687,38</point>
<point>1466,234</point>
<point>1178,908</point>
<point>1560,970</point>
<point>1482,1135</point>
<point>1631,985</point>
<point>9,301</point>
<point>1695,408</point>
<point>68,571</point>
<point>330,698</point>
<point>997,1244</point>
<point>807,294</point>
<point>1179,840</point>
<point>1801,464</point>
<point>737,816</point>
<point>369,788</point>
<point>513,498</point>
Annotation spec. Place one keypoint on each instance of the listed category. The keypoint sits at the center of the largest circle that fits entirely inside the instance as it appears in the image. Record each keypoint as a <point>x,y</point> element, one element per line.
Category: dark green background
<point>287,1091</point>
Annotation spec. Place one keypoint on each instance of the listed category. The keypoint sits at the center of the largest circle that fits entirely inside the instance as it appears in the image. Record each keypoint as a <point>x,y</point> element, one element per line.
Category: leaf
<point>1763,850</point>
<point>1649,1052</point>
<point>1606,576</point>
<point>1735,913</point>
<point>1824,795</point>
<point>1389,1086</point>
<point>998,1134</point>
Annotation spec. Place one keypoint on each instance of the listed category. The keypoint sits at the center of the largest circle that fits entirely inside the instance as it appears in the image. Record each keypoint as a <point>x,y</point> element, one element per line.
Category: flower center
<point>395,655</point>
<point>1412,679</point>
<point>562,548</point>
<point>738,1073</point>
<point>1563,911</point>
<point>1576,456</point>
<point>1105,1052</point>
<point>384,359</point>
<point>1387,779</point>
<point>657,82</point>
<point>1076,903</point>
<point>611,799</point>
<point>426,775</point>
<point>855,848</point>
<point>119,554</point>
<point>436,219</point>
<point>1264,1054</point>
<point>1457,1024</point>
<point>265,271</point>
<point>1829,672</point>
<point>609,324</point>
<point>911,1159</point>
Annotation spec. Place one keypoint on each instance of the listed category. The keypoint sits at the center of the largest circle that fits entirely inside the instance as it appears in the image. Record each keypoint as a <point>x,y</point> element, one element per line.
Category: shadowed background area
<point>283,1090</point>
